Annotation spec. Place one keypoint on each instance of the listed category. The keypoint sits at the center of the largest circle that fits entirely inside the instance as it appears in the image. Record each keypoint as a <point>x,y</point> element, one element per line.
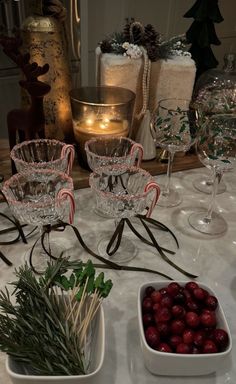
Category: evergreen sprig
<point>47,327</point>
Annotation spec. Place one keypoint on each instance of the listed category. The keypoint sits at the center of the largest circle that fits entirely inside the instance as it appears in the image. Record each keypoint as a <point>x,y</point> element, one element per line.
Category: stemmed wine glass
<point>43,198</point>
<point>122,192</point>
<point>171,127</point>
<point>216,149</point>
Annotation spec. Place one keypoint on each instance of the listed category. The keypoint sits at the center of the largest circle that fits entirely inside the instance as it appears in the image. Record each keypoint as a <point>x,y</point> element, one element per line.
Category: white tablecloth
<point>213,258</point>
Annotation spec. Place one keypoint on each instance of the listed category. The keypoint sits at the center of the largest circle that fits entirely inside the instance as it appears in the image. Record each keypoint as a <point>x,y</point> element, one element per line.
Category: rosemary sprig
<point>49,326</point>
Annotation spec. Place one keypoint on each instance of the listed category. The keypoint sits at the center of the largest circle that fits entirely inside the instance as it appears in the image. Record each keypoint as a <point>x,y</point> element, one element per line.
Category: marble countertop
<point>212,258</point>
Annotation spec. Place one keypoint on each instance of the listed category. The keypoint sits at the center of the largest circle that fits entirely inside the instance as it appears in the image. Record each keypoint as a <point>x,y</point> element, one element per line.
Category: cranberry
<point>193,306</point>
<point>178,311</point>
<point>199,338</point>
<point>188,336</point>
<point>149,290</point>
<point>183,348</point>
<point>148,319</point>
<point>211,302</point>
<point>221,338</point>
<point>175,340</point>
<point>164,314</point>
<point>177,327</point>
<point>156,307</point>
<point>167,301</point>
<point>156,296</point>
<point>208,319</point>
<point>187,294</point>
<point>209,347</point>
<point>199,293</point>
<point>163,291</point>
<point>179,298</point>
<point>164,347</point>
<point>163,329</point>
<point>191,285</point>
<point>192,319</point>
<point>173,289</point>
<point>196,350</point>
<point>147,305</point>
<point>152,336</point>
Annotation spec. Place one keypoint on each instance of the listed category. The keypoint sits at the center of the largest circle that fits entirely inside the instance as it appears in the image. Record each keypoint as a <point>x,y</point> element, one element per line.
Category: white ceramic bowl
<point>19,376</point>
<point>173,364</point>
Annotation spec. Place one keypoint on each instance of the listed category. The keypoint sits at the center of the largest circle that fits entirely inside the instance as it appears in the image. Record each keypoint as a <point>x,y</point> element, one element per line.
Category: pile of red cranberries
<point>182,319</point>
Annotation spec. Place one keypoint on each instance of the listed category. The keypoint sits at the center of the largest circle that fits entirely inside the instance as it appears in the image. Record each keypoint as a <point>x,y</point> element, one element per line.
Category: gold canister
<point>43,37</point>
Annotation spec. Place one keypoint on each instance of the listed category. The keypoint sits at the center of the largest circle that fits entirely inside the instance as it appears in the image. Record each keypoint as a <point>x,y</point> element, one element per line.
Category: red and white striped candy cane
<point>138,147</point>
<point>69,150</point>
<point>149,186</point>
<point>65,193</point>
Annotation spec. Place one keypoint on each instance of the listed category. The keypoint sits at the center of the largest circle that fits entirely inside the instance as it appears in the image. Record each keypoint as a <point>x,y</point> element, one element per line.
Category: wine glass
<point>205,184</point>
<point>43,198</point>
<point>122,192</point>
<point>216,149</point>
<point>171,127</point>
<point>205,107</point>
<point>43,154</point>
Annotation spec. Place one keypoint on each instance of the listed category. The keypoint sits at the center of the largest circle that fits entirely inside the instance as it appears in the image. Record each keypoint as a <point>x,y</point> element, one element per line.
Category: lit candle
<point>86,129</point>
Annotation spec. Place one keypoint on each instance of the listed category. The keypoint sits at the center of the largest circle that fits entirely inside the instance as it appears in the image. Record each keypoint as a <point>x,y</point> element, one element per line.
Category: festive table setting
<point>211,258</point>
<point>117,209</point>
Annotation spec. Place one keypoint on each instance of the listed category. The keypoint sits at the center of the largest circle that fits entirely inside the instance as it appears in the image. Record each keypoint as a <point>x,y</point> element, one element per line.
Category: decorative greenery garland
<point>135,35</point>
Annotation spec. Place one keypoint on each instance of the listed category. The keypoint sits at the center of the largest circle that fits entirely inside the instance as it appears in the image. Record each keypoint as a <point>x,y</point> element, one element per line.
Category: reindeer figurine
<point>28,123</point>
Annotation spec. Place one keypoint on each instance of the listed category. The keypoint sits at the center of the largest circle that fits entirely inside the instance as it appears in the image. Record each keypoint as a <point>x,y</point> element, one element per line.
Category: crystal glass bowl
<point>124,192</point>
<point>43,154</point>
<point>40,197</point>
<point>103,152</point>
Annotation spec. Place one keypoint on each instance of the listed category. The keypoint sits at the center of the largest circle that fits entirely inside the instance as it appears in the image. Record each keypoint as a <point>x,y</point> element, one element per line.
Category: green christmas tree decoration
<point>201,34</point>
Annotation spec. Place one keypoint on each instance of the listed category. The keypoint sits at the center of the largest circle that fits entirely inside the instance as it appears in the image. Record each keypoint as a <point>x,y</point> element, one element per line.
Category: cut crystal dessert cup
<point>103,152</point>
<point>174,364</point>
<point>42,198</point>
<point>43,154</point>
<point>121,193</point>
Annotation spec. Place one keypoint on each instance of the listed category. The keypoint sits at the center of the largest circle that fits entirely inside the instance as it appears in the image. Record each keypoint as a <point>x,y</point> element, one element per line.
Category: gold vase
<point>43,37</point>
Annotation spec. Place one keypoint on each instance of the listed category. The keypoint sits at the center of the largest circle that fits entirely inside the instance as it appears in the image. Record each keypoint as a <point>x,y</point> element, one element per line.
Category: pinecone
<point>151,36</point>
<point>126,32</point>
<point>153,52</point>
<point>106,46</point>
<point>136,33</point>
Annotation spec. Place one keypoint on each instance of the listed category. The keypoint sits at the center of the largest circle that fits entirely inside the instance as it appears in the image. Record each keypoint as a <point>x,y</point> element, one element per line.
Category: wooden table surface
<point>81,176</point>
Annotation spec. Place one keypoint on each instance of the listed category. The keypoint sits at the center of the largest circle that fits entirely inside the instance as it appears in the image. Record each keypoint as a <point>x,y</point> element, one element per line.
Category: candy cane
<point>152,185</point>
<point>64,193</point>
<point>138,147</point>
<point>68,148</point>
